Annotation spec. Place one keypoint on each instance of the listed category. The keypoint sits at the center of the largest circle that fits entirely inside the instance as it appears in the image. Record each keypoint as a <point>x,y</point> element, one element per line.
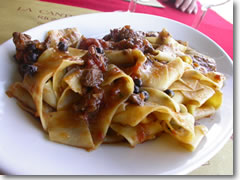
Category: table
<point>33,12</point>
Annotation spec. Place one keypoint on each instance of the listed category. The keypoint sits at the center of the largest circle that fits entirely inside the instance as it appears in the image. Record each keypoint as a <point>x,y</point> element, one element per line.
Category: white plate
<point>25,148</point>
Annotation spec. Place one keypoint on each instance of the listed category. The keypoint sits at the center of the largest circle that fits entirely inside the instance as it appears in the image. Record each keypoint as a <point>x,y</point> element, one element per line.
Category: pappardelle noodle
<point>128,86</point>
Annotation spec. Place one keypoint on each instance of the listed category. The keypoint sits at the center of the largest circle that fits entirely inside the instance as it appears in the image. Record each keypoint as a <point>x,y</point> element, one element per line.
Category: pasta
<point>129,86</point>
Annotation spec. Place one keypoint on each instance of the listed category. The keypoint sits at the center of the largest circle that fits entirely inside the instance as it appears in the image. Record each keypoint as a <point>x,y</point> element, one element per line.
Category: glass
<point>132,6</point>
<point>206,4</point>
<point>133,3</point>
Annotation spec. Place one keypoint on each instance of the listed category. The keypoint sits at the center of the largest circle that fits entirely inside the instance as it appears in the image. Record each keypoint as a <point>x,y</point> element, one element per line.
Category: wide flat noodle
<point>200,93</point>
<point>134,114</point>
<point>105,95</point>
<point>161,98</point>
<point>68,127</point>
<point>96,129</point>
<point>168,49</point>
<point>202,112</point>
<point>161,76</point>
<point>18,91</point>
<point>200,132</point>
<point>112,101</point>
<point>48,94</point>
<point>159,108</point>
<point>47,64</point>
<point>181,126</point>
<point>125,57</point>
<point>69,35</point>
<point>74,58</point>
<point>72,79</point>
<point>140,133</point>
<point>67,98</point>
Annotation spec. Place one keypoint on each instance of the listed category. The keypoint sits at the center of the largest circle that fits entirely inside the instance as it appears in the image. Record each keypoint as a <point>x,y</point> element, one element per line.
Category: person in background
<point>188,6</point>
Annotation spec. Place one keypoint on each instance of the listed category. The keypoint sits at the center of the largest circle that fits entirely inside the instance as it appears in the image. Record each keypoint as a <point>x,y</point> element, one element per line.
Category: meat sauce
<point>95,64</point>
<point>27,52</point>
<point>94,59</point>
<point>203,64</point>
<point>99,43</point>
<point>92,76</point>
<point>119,39</point>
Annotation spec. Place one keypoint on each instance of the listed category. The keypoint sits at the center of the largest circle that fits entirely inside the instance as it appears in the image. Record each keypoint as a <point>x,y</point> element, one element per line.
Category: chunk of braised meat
<point>134,43</point>
<point>27,51</point>
<point>21,40</point>
<point>151,34</point>
<point>93,59</point>
<point>185,43</point>
<point>127,38</point>
<point>203,63</point>
<point>92,77</point>
<point>117,35</point>
<point>136,99</point>
<point>139,98</point>
<point>70,37</point>
<point>91,100</point>
<point>99,43</point>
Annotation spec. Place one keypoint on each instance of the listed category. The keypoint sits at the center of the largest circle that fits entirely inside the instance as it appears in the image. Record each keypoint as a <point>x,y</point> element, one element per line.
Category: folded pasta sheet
<point>129,86</point>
